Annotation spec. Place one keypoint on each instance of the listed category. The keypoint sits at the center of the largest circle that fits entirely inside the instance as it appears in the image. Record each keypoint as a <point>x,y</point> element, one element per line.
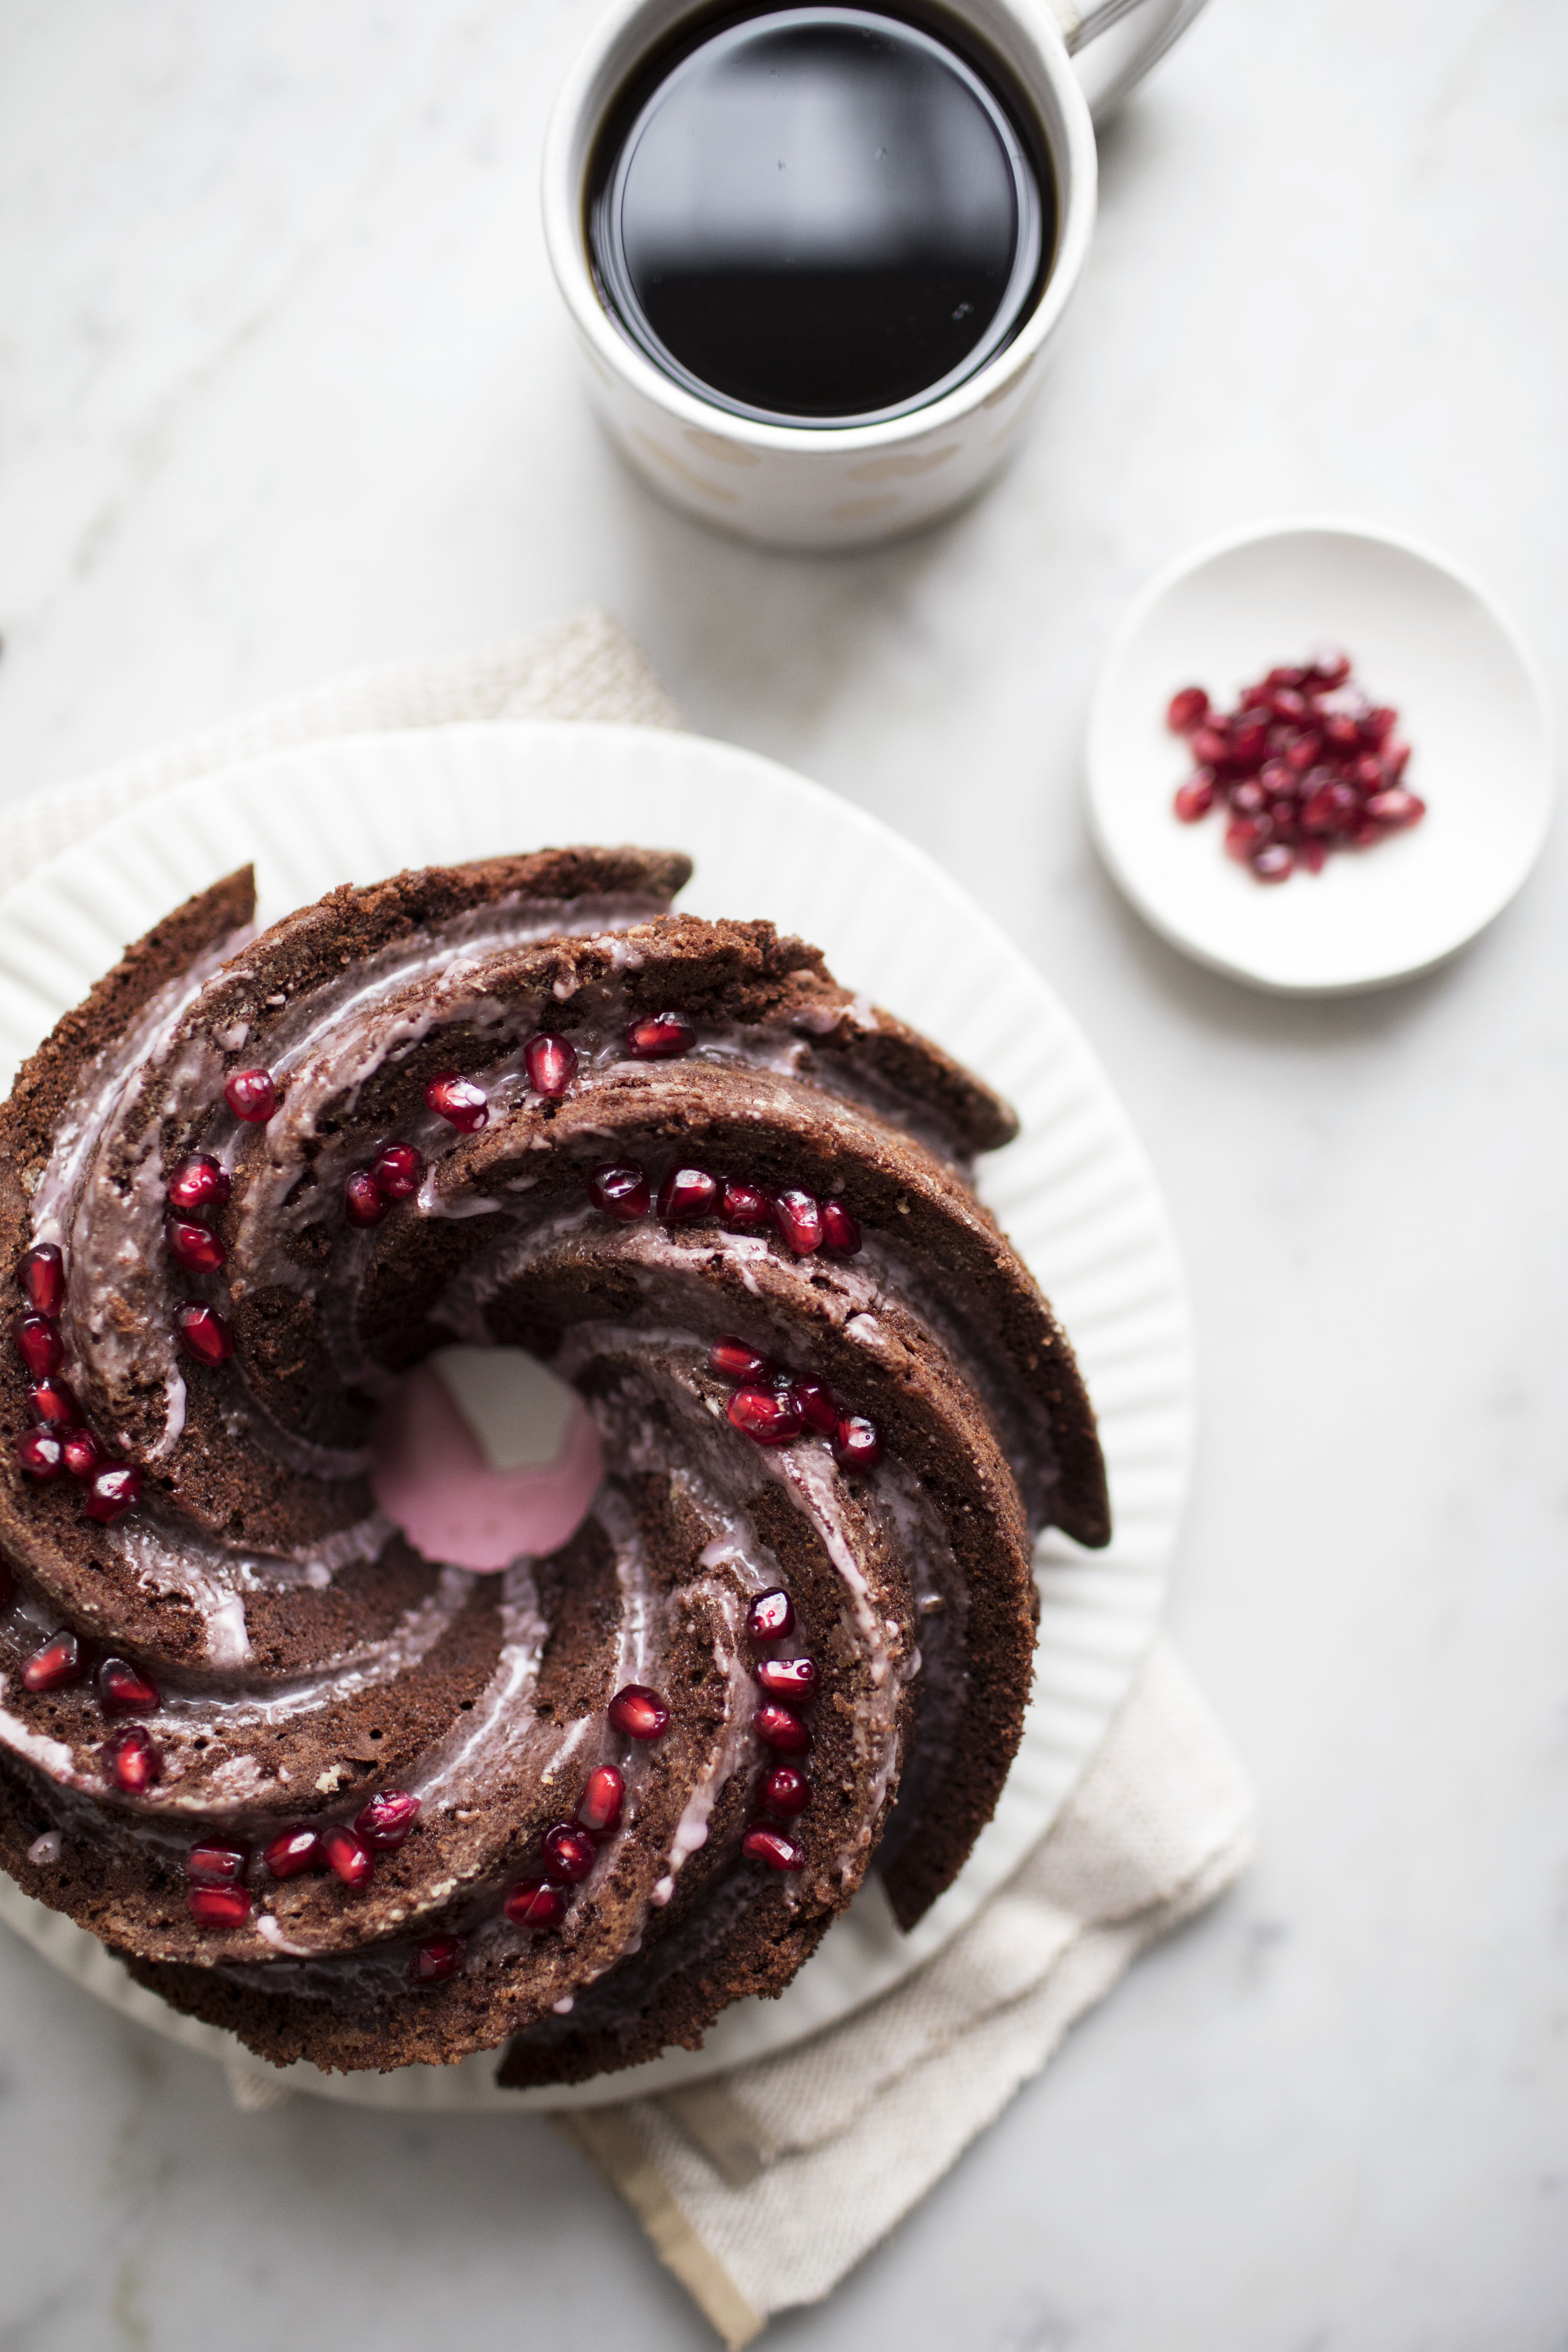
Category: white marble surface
<point>285,388</point>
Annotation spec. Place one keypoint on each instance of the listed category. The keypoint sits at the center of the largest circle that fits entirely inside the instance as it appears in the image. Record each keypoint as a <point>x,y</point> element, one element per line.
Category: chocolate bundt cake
<point>364,1807</point>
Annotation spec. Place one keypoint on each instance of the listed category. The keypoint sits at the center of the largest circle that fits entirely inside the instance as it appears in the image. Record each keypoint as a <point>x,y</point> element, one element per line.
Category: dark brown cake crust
<point>911,1584</point>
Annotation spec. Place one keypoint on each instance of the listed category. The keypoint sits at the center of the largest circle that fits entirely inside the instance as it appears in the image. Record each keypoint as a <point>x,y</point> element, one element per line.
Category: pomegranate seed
<point>396,1171</point>
<point>292,1852</point>
<point>458,1101</point>
<point>55,1667</point>
<point>1332,808</point>
<point>1210,747</point>
<point>199,1182</point>
<point>204,1334</point>
<point>732,1359</point>
<point>1186,710</point>
<point>1195,798</point>
<point>1278,778</point>
<point>786,1791</point>
<point>599,1806</point>
<point>857,1442</point>
<point>820,1407</point>
<point>776,1727</point>
<point>1367,771</point>
<point>622,1192</point>
<point>771,1846</point>
<point>218,1906</point>
<point>1289,703</point>
<point>364,1203</point>
<point>798,1217</point>
<point>134,1762</point>
<point>1274,862</point>
<point>1329,666</point>
<point>348,1856</point>
<point>41,1271</point>
<point>194,1245</point>
<point>1396,807</point>
<point>1396,759</point>
<point>686,1194</point>
<point>1312,855</point>
<point>771,1615</point>
<point>386,1821</point>
<point>746,1207</point>
<point>252,1096</point>
<point>38,1343</point>
<point>769,1416</point>
<point>638,1713</point>
<point>840,1233</point>
<point>533,1904</point>
<point>1303,751</point>
<point>1247,834</point>
<point>1379,725</point>
<point>1282,817</point>
<point>1249,798</point>
<point>1286,677</point>
<point>436,1959</point>
<point>1342,731</point>
<point>1250,736</point>
<point>54,1404</point>
<point>791,1678</point>
<point>659,1037</point>
<point>568,1854</point>
<point>83,1451</point>
<point>38,1452</point>
<point>552,1064</point>
<point>216,1863</point>
<point>124,1689</point>
<point>114,1488</point>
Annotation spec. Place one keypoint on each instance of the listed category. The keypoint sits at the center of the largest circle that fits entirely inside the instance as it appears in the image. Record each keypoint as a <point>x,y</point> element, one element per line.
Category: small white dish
<point>1424,637</point>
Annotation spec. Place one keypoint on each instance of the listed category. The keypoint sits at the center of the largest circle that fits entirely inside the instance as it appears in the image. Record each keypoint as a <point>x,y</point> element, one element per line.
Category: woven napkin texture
<point>763,2188</point>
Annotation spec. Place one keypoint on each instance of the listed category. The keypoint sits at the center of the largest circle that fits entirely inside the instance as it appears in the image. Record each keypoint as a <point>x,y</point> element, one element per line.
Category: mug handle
<point>1108,77</point>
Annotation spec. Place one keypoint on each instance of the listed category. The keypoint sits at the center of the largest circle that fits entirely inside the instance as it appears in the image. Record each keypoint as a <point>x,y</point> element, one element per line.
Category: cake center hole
<point>483,1456</point>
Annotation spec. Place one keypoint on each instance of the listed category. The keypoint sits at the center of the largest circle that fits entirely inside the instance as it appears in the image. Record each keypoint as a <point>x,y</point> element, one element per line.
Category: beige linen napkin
<point>763,2188</point>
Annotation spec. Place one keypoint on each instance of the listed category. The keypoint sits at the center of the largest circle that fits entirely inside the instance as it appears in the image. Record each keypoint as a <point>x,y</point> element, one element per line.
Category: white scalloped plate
<point>1074,1192</point>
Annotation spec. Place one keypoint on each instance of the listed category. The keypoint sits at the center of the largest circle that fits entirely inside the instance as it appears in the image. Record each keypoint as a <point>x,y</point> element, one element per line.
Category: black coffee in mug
<point>820,216</point>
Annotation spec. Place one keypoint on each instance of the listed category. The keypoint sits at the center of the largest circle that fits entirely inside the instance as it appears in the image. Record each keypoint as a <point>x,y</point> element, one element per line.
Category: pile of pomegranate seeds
<point>695,1196</point>
<point>784,1792</point>
<point>59,1438</point>
<point>771,1406</point>
<point>1305,764</point>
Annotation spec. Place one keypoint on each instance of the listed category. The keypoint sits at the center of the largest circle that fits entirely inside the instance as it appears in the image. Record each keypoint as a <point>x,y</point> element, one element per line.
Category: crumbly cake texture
<point>302,1657</point>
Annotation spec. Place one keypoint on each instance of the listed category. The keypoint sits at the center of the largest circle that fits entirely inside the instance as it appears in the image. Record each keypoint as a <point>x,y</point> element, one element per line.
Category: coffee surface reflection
<point>819,217</point>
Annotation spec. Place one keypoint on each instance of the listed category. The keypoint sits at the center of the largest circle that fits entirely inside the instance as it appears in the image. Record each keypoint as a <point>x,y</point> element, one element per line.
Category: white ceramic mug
<point>850,485</point>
